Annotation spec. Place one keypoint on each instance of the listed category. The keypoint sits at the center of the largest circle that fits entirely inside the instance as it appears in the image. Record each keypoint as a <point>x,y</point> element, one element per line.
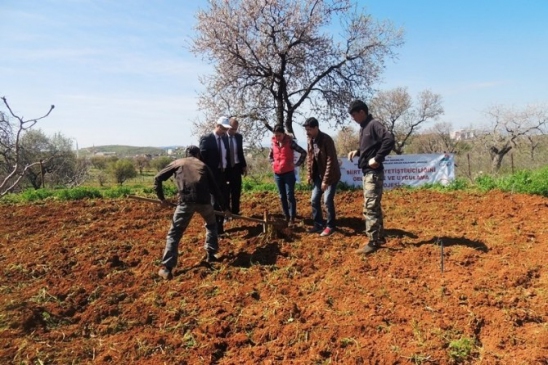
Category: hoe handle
<point>136,197</point>
<point>142,198</point>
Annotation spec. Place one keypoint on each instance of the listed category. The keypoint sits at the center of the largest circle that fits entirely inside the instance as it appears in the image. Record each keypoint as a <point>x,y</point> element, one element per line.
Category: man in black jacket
<point>195,182</point>
<point>214,150</point>
<point>236,166</point>
<point>376,142</point>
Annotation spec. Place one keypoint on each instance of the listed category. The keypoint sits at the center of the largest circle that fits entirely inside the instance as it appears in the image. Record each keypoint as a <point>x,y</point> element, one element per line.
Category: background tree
<point>159,163</point>
<point>141,163</point>
<point>437,139</point>
<point>276,59</point>
<point>346,140</point>
<point>510,126</point>
<point>12,168</point>
<point>58,165</point>
<point>122,170</point>
<point>102,162</point>
<point>395,109</point>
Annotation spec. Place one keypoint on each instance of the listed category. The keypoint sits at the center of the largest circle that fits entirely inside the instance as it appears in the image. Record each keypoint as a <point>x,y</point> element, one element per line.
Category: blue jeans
<point>286,189</point>
<point>181,218</point>
<point>328,199</point>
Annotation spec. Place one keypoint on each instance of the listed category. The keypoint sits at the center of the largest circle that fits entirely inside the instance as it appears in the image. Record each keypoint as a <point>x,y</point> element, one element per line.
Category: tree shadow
<point>454,241</point>
<point>265,255</point>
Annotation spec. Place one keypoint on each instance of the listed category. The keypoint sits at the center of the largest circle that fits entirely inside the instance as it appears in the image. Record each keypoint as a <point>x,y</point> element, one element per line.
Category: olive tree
<point>509,126</point>
<point>58,165</point>
<point>276,60</point>
<point>403,118</point>
<point>159,163</point>
<point>123,170</point>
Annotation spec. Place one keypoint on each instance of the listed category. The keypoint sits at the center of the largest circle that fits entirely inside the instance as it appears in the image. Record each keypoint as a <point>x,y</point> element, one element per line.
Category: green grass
<point>526,182</point>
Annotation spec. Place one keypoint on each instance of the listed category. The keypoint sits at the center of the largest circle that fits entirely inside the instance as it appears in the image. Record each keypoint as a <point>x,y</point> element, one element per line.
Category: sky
<point>120,71</point>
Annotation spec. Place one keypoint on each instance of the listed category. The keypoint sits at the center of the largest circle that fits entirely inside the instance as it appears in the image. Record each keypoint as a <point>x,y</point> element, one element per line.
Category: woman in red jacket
<point>282,158</point>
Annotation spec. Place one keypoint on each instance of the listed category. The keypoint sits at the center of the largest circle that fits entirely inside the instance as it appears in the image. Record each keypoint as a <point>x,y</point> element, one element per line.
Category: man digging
<point>196,184</point>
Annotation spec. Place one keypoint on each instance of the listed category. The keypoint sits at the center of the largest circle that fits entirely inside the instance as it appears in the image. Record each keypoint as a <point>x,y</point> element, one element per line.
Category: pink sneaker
<point>327,232</point>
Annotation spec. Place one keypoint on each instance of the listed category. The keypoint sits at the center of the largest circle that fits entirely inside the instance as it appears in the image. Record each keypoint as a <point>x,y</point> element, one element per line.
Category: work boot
<point>368,249</point>
<point>211,257</point>
<point>290,221</point>
<point>165,273</point>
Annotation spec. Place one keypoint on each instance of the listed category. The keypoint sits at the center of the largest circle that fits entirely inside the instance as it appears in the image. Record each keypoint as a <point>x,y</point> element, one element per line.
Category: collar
<point>366,121</point>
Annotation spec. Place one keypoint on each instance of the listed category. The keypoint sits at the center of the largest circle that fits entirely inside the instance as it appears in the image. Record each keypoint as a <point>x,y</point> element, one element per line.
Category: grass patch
<point>525,182</point>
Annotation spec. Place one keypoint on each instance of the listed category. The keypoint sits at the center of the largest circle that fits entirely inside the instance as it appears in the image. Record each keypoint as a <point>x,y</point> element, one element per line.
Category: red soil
<point>79,285</point>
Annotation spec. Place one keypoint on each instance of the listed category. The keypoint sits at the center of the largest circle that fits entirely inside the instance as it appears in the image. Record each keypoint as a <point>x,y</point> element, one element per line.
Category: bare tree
<point>13,166</point>
<point>437,139</point>
<point>274,58</point>
<point>346,140</point>
<point>395,109</point>
<point>509,125</point>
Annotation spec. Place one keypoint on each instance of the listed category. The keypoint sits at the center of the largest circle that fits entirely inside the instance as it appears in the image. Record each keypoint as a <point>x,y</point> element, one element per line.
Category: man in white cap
<point>214,150</point>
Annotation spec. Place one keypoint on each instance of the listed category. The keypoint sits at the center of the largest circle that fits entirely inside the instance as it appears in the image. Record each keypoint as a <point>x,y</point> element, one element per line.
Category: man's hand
<point>352,154</point>
<point>373,163</point>
<point>244,171</point>
<point>309,180</point>
<point>324,186</point>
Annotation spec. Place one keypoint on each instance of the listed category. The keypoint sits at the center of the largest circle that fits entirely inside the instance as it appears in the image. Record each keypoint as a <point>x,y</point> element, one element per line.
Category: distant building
<point>463,134</point>
<point>105,153</point>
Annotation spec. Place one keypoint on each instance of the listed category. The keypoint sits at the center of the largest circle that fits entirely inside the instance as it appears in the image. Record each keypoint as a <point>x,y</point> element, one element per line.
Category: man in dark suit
<point>236,166</point>
<point>214,150</point>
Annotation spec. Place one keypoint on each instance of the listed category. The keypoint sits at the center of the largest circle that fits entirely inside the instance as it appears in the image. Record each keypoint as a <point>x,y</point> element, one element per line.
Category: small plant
<point>347,341</point>
<point>461,349</point>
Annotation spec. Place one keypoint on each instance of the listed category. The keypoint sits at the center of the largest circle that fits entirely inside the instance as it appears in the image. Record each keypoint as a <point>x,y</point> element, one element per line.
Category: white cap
<point>223,122</point>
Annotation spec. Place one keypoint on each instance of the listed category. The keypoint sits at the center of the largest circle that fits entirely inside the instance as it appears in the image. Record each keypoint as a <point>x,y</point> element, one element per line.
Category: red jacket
<point>282,154</point>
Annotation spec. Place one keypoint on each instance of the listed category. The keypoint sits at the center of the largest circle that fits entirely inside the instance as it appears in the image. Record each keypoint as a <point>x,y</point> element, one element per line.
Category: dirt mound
<point>78,285</point>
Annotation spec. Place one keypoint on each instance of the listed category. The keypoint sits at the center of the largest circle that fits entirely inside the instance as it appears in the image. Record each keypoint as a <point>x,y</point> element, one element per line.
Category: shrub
<point>123,170</point>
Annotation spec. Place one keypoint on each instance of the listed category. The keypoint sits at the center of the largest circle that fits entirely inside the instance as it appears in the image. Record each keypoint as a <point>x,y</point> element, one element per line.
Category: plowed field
<point>79,285</point>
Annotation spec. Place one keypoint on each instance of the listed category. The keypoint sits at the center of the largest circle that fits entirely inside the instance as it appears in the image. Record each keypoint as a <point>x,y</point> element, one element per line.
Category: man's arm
<point>241,154</point>
<point>162,176</point>
<point>204,151</point>
<point>296,147</point>
<point>387,142</point>
<point>332,160</point>
<point>214,188</point>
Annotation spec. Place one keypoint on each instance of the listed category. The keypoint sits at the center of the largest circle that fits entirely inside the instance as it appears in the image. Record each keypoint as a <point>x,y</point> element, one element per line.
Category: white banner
<point>412,170</point>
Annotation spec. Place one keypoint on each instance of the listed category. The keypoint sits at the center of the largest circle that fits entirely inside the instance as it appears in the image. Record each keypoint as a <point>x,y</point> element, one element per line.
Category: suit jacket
<point>210,151</point>
<point>240,149</point>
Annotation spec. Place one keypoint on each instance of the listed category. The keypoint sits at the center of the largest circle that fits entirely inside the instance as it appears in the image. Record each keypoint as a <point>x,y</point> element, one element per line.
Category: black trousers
<point>234,178</point>
<point>221,178</point>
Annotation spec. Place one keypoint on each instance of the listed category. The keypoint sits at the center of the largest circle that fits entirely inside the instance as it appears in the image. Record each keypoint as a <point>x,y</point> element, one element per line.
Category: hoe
<point>265,222</point>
